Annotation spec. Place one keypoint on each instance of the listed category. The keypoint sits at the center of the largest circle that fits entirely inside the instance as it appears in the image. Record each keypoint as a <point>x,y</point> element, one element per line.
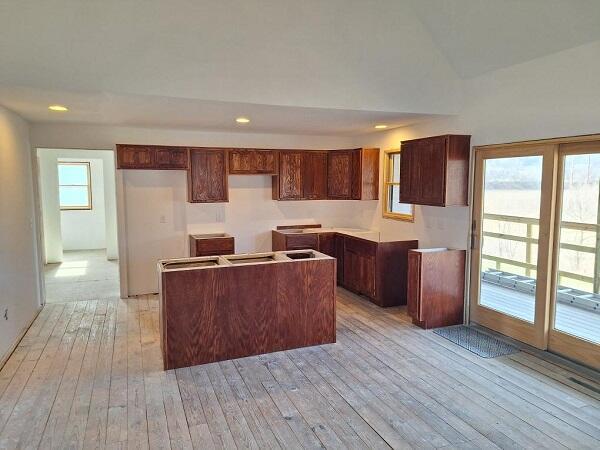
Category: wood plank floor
<point>88,375</point>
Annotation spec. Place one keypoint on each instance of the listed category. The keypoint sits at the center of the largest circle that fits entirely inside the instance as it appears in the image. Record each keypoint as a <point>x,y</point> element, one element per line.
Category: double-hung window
<point>392,207</point>
<point>74,186</point>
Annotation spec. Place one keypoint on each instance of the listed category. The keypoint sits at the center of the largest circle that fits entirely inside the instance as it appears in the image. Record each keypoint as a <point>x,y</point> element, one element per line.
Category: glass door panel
<point>512,191</point>
<point>577,296</point>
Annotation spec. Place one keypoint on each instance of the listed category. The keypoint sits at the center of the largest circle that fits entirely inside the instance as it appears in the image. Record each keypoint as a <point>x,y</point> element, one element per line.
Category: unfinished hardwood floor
<point>88,375</point>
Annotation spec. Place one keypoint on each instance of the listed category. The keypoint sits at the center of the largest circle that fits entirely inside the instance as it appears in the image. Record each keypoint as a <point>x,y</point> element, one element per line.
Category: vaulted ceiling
<point>300,66</point>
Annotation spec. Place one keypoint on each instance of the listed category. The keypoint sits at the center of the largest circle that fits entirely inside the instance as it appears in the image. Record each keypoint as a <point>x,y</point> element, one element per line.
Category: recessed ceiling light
<point>60,108</point>
<point>380,127</point>
<point>242,120</point>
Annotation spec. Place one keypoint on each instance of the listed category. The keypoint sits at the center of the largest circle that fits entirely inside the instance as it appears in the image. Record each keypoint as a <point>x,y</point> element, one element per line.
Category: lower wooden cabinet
<point>436,283</point>
<point>377,270</point>
<point>207,176</point>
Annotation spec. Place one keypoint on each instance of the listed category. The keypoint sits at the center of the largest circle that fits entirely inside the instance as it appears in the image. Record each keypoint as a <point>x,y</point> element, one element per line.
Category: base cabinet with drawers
<point>436,282</point>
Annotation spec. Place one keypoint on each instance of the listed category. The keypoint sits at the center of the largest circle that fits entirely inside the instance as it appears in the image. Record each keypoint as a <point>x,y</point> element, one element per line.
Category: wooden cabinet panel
<point>414,284</point>
<point>302,241</point>
<point>151,157</point>
<point>327,244</point>
<point>315,175</point>
<point>436,287</point>
<point>252,161</point>
<point>205,245</point>
<point>434,171</point>
<point>207,177</point>
<point>339,254</point>
<point>135,157</point>
<point>339,180</point>
<point>290,182</point>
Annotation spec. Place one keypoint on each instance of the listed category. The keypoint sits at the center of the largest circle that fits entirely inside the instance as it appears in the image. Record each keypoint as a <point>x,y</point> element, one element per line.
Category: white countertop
<point>370,235</point>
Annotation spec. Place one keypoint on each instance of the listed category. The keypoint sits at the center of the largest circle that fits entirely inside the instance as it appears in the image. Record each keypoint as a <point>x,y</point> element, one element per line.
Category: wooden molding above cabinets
<point>435,170</point>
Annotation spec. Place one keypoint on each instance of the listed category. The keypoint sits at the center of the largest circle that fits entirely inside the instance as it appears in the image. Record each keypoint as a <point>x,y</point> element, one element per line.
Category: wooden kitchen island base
<point>219,308</point>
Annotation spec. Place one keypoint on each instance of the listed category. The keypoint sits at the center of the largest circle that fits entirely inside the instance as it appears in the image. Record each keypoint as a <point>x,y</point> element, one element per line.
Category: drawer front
<point>361,246</point>
<point>302,241</point>
<point>218,246</point>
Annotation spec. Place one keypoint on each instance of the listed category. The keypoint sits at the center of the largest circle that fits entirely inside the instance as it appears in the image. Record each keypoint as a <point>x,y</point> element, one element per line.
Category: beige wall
<point>19,278</point>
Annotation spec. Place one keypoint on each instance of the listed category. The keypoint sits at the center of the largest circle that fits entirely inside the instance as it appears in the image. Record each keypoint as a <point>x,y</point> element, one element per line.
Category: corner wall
<point>557,95</point>
<point>19,276</point>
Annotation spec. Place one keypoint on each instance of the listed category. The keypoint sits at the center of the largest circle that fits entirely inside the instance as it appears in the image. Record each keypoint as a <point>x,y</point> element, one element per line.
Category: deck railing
<point>530,241</point>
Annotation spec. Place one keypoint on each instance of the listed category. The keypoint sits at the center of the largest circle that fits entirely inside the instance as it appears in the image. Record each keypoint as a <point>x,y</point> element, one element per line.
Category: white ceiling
<point>310,66</point>
<point>169,112</point>
<point>479,36</point>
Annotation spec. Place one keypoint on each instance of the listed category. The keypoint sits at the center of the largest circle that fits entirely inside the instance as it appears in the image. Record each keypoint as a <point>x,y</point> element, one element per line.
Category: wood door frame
<point>560,342</point>
<point>535,334</point>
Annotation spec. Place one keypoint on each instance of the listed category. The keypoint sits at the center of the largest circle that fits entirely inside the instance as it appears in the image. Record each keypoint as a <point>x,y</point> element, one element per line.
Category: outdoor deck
<point>569,319</point>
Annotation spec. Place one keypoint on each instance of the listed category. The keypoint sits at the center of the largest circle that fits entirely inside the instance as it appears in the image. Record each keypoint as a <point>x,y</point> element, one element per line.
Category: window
<point>74,186</point>
<point>392,208</point>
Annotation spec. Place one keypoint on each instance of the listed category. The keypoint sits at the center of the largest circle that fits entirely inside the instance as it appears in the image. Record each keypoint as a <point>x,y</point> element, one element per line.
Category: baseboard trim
<point>4,359</point>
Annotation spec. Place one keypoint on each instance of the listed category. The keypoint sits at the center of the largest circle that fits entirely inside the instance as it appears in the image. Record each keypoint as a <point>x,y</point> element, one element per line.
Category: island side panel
<point>306,303</point>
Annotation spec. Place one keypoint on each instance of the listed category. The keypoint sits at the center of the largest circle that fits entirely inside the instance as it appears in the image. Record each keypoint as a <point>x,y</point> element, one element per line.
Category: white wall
<point>86,229</point>
<point>557,95</point>
<point>19,277</point>
<point>78,230</point>
<point>158,219</point>
<point>551,96</point>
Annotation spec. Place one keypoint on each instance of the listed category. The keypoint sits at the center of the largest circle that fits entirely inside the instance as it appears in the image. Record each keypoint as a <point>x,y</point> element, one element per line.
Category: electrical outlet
<point>5,313</point>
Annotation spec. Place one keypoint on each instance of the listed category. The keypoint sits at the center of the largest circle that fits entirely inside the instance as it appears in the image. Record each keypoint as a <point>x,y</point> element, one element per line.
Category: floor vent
<point>477,342</point>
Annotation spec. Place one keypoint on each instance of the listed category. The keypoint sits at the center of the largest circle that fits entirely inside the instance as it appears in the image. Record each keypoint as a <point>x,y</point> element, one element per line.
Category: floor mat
<point>477,342</point>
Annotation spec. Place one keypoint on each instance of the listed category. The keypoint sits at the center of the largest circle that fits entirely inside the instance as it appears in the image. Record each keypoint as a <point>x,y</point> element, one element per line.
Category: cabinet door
<point>414,285</point>
<point>327,244</point>
<point>291,182</point>
<point>339,177</point>
<point>171,158</point>
<point>207,177</point>
<point>135,157</point>
<point>302,241</point>
<point>249,161</point>
<point>409,173</point>
<point>315,175</point>
<point>432,170</point>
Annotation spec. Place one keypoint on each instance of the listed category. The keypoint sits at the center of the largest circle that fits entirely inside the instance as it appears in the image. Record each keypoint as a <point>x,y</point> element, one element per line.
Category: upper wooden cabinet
<point>435,170</point>
<point>207,176</point>
<point>332,174</point>
<point>151,157</point>
<point>353,174</point>
<point>339,180</point>
<point>289,183</point>
<point>315,175</point>
<point>244,161</point>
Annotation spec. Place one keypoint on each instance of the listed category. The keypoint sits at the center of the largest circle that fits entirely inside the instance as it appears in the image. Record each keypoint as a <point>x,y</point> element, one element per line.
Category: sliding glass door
<point>575,314</point>
<point>511,225</point>
<point>535,267</point>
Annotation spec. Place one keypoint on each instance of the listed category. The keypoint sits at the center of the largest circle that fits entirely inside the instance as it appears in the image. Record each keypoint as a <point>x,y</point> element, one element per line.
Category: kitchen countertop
<point>370,235</point>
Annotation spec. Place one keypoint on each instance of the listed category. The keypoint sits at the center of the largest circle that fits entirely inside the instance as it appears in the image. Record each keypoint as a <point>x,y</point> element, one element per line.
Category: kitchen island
<point>215,308</point>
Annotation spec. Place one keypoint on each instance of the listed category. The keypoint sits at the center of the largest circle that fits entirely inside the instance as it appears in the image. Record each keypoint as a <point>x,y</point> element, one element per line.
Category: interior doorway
<point>535,267</point>
<point>77,192</point>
